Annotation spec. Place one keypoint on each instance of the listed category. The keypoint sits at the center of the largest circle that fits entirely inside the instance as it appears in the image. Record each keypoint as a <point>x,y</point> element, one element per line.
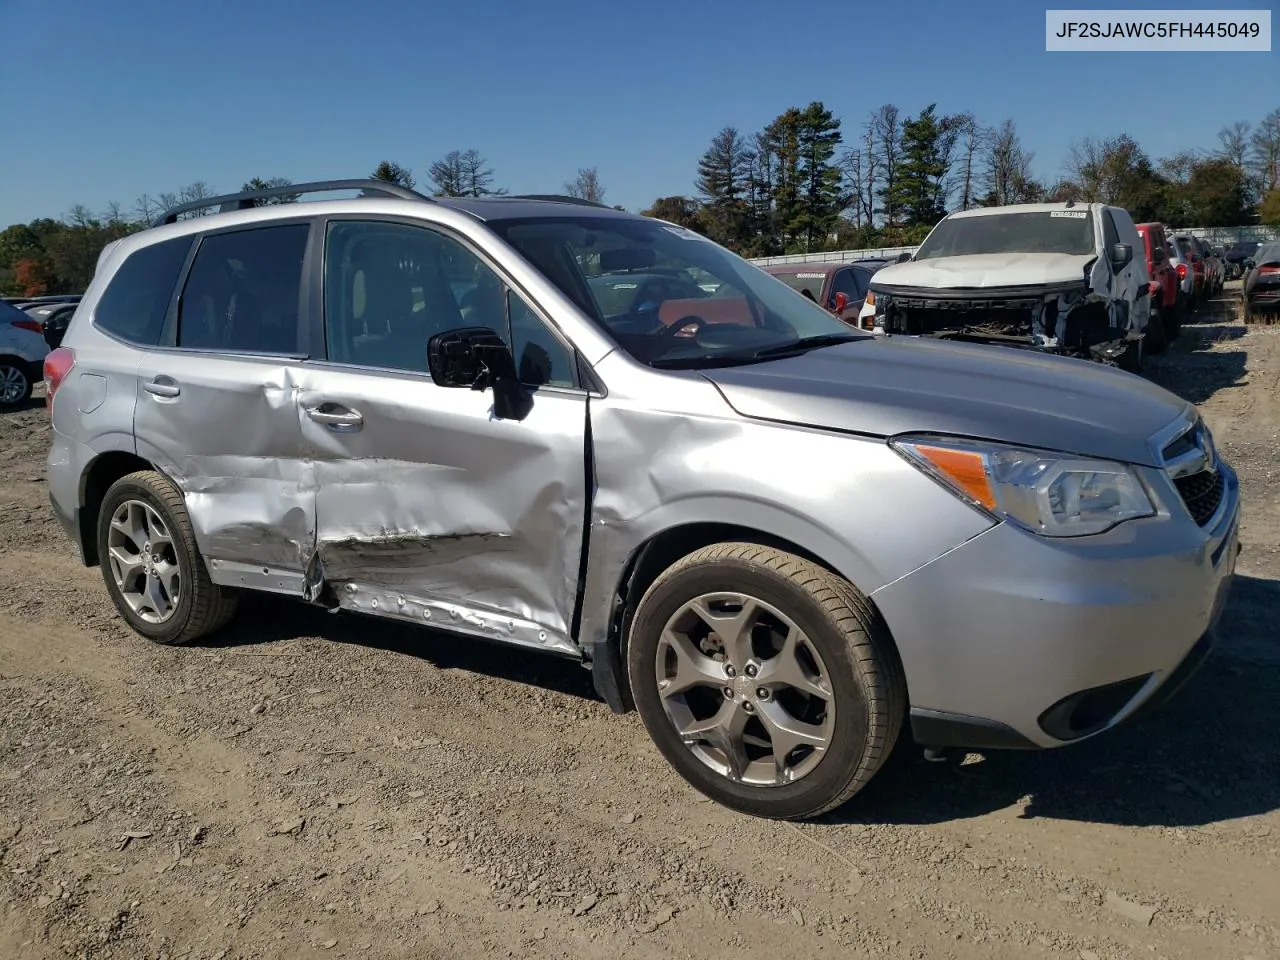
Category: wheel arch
<point>644,565</point>
<point>103,470</point>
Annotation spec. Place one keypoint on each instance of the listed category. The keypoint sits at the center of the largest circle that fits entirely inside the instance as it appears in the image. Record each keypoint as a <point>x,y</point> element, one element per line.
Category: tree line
<point>58,255</point>
<point>804,184</point>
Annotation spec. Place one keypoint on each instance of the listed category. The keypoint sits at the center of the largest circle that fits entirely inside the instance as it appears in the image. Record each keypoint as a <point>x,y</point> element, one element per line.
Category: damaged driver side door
<point>430,508</point>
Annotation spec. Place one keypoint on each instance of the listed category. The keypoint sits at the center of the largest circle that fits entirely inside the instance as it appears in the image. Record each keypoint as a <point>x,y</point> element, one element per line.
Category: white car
<point>1060,278</point>
<point>22,353</point>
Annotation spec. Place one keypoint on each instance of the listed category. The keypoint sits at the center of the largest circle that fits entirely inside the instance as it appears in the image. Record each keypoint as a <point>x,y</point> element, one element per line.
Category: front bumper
<point>1013,640</point>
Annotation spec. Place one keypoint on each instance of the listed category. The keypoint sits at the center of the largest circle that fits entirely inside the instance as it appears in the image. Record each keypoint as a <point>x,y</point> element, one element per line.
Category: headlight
<point>1052,494</point>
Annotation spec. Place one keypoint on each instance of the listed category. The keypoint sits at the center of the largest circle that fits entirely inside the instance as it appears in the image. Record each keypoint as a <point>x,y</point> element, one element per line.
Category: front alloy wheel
<point>745,689</point>
<point>768,682</point>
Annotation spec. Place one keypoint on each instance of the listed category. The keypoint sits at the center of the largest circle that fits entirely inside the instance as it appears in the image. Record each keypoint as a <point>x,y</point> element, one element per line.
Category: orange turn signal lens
<point>965,469</point>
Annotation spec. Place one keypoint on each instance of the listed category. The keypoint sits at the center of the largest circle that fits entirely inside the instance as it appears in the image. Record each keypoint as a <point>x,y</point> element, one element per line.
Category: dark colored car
<point>54,316</point>
<point>1237,256</point>
<point>1164,288</point>
<point>1262,282</point>
<point>839,287</point>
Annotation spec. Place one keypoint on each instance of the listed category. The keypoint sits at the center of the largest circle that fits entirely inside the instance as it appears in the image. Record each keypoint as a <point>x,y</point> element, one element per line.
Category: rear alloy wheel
<point>768,682</point>
<point>151,565</point>
<point>15,383</point>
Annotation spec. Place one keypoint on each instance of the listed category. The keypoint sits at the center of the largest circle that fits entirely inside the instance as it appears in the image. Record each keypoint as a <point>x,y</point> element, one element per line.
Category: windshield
<point>1047,231</point>
<point>670,297</point>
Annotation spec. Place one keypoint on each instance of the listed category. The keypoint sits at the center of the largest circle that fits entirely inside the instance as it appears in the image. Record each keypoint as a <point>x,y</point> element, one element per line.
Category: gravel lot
<point>329,786</point>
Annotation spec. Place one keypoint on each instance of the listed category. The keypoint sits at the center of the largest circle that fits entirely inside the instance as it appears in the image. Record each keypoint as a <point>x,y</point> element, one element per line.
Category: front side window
<point>134,305</point>
<point>391,287</point>
<point>1110,235</point>
<point>668,296</point>
<point>242,294</point>
<point>1049,231</point>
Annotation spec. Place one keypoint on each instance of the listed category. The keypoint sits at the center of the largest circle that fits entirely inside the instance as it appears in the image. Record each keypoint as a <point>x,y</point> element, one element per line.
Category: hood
<point>986,270</point>
<point>889,385</point>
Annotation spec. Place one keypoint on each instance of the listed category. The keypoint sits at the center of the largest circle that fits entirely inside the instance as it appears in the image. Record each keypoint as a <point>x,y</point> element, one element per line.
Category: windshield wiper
<point>731,357</point>
<point>803,345</point>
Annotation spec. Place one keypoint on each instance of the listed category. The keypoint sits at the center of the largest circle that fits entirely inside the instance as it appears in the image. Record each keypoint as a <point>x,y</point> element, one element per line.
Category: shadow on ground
<point>1210,754</point>
<point>1195,367</point>
<point>264,619</point>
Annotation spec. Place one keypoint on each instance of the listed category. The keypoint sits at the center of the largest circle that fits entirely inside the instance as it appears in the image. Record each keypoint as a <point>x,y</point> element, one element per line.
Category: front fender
<point>848,500</point>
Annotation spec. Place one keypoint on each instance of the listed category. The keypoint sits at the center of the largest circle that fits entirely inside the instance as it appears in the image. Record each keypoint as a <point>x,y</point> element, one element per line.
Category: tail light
<point>32,325</point>
<point>1182,271</point>
<point>1269,268</point>
<point>57,364</point>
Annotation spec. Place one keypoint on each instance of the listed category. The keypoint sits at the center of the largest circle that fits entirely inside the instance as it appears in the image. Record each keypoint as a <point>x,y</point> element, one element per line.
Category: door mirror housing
<point>841,302</point>
<point>1121,254</point>
<point>478,358</point>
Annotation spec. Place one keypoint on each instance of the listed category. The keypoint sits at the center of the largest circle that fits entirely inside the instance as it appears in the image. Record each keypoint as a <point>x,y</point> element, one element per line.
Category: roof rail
<point>247,199</point>
<point>558,198</point>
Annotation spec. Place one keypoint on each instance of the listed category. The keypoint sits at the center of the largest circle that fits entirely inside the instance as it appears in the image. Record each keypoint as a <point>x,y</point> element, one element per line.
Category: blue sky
<point>106,101</point>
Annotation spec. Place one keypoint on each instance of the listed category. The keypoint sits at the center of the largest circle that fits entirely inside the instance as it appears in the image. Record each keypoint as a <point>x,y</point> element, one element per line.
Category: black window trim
<point>319,333</point>
<point>125,341</point>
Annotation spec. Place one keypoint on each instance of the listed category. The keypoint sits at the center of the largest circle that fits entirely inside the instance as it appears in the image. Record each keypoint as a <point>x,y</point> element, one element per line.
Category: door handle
<point>335,417</point>
<point>162,387</point>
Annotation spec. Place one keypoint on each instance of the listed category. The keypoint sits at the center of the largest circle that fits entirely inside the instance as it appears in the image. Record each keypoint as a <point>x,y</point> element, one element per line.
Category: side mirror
<point>841,302</point>
<point>1121,254</point>
<point>1157,255</point>
<point>478,358</point>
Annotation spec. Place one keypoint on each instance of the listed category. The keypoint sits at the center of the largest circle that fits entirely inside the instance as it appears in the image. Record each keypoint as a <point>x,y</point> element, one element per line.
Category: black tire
<point>1174,318</point>
<point>202,607</point>
<point>866,677</point>
<point>1132,360</point>
<point>18,371</point>
<point>1156,339</point>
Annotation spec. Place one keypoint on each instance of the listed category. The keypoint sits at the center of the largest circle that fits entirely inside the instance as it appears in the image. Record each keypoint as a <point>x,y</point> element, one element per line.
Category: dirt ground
<point>328,786</point>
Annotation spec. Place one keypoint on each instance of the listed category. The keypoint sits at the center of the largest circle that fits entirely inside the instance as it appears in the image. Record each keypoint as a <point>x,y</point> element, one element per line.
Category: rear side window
<point>243,292</point>
<point>137,297</point>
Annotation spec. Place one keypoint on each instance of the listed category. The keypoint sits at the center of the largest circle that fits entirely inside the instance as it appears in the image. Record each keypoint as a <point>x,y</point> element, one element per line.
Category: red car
<point>1164,284</point>
<point>840,287</point>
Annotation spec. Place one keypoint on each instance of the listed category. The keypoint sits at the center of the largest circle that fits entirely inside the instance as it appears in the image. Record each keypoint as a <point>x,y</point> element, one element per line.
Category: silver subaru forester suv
<point>557,425</point>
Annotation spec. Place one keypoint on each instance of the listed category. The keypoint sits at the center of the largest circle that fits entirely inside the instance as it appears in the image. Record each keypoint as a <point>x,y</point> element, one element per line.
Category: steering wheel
<point>675,328</point>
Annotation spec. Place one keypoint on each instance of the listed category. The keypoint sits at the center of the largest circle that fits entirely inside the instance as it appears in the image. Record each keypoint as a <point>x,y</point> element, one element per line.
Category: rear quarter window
<point>134,305</point>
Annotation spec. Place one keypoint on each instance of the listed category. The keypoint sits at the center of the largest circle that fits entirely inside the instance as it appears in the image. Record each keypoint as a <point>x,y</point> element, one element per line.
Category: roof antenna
<point>1070,204</point>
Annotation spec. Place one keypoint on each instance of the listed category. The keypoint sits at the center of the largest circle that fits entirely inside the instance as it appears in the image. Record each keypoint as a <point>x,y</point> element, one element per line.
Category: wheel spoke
<point>154,598</point>
<point>786,670</point>
<point>723,731</point>
<point>734,628</point>
<point>787,733</point>
<point>168,575</point>
<point>157,532</point>
<point>693,667</point>
<point>127,566</point>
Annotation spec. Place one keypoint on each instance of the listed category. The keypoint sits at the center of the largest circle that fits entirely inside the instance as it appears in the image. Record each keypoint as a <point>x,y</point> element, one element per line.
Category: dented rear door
<point>430,508</point>
<point>217,407</point>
